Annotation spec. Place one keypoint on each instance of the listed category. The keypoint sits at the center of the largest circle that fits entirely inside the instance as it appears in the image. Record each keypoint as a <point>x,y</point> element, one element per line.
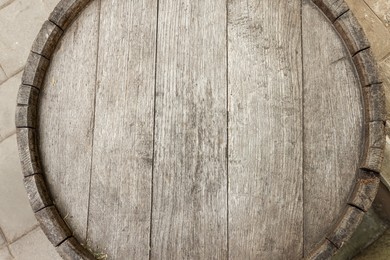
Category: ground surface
<point>20,20</point>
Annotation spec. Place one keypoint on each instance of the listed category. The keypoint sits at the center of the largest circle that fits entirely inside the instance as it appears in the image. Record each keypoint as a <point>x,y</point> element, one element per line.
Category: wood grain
<point>27,96</point>
<point>345,227</point>
<point>47,39</point>
<point>37,192</point>
<point>120,200</point>
<point>375,106</point>
<point>365,190</point>
<point>53,225</point>
<point>26,116</point>
<point>71,249</point>
<point>265,130</point>
<point>66,119</point>
<point>35,70</point>
<point>332,8</point>
<point>324,251</point>
<point>367,68</point>
<point>351,32</point>
<point>333,125</point>
<point>190,184</point>
<point>28,151</point>
<point>66,11</point>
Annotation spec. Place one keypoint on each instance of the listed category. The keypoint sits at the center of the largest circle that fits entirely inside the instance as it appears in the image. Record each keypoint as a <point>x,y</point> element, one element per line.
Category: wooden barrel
<point>180,129</point>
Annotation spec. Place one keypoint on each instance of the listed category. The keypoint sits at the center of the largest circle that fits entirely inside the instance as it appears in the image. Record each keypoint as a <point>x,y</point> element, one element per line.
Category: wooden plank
<point>365,190</point>
<point>37,192</point>
<point>47,39</point>
<point>27,96</point>
<point>66,119</point>
<point>190,186</point>
<point>26,116</point>
<point>345,227</point>
<point>324,251</point>
<point>53,225</point>
<point>66,11</point>
<point>351,32</point>
<point>35,70</point>
<point>375,106</point>
<point>72,250</point>
<point>28,151</point>
<point>367,68</point>
<point>265,129</point>
<point>332,8</point>
<point>333,123</point>
<point>119,215</point>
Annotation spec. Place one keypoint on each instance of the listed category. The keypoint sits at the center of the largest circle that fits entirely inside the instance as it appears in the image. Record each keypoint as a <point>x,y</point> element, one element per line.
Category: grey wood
<point>28,151</point>
<point>332,8</point>
<point>47,39</point>
<point>66,119</point>
<point>37,192</point>
<point>351,32</point>
<point>198,130</point>
<point>72,250</point>
<point>367,68</point>
<point>332,127</point>
<point>374,98</point>
<point>53,225</point>
<point>121,180</point>
<point>35,69</point>
<point>189,216</point>
<point>265,130</point>
<point>66,11</point>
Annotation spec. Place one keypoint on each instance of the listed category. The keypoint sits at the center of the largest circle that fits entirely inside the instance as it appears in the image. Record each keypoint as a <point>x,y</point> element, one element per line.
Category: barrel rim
<point>365,188</point>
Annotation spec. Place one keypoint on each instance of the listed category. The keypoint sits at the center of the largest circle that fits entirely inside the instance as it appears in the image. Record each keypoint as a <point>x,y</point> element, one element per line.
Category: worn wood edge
<point>27,96</point>
<point>366,67</point>
<point>374,103</point>
<point>373,160</point>
<point>351,32</point>
<point>26,116</point>
<point>365,190</point>
<point>332,8</point>
<point>64,14</point>
<point>47,39</point>
<point>28,151</point>
<point>324,250</point>
<point>35,70</point>
<point>71,249</point>
<point>37,192</point>
<point>345,227</point>
<point>66,11</point>
<point>53,225</point>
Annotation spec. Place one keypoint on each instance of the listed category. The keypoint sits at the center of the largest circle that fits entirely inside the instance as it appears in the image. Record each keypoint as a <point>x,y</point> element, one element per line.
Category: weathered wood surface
<point>66,118</point>
<point>121,179</point>
<point>181,129</point>
<point>189,214</point>
<point>333,124</point>
<point>265,129</point>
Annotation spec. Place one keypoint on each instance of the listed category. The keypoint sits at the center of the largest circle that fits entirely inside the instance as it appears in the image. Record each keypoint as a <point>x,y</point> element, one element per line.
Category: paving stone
<point>376,31</point>
<point>20,23</point>
<point>16,216</point>
<point>8,94</point>
<point>3,77</point>
<point>34,246</point>
<point>5,254</point>
<point>382,9</point>
<point>2,240</point>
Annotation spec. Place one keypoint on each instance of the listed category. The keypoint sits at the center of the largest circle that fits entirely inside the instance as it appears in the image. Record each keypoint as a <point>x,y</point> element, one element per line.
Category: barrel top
<point>200,129</point>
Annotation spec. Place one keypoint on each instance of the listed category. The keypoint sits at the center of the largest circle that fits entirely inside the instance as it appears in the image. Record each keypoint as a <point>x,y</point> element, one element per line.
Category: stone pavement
<point>20,20</point>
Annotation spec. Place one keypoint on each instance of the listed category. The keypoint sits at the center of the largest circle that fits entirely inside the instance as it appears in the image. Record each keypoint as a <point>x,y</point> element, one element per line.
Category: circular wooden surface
<point>138,156</point>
